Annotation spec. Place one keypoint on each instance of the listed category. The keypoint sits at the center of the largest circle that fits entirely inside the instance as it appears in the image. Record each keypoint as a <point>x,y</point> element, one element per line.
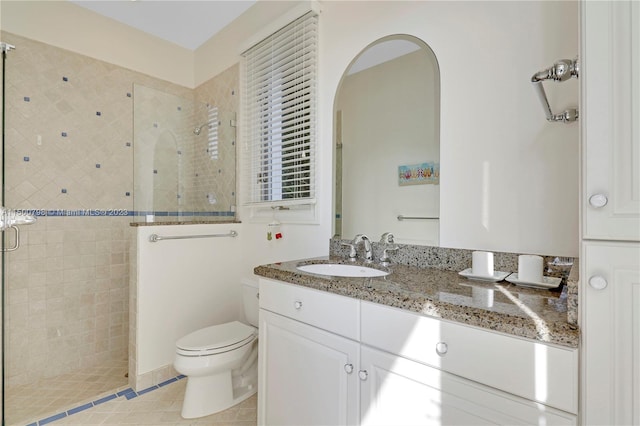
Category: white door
<point>611,340</point>
<point>610,117</point>
<point>307,376</point>
<point>397,391</point>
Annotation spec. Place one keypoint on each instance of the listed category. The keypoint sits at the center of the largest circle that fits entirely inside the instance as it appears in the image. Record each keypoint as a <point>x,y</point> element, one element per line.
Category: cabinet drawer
<point>331,312</point>
<point>399,391</point>
<point>536,371</point>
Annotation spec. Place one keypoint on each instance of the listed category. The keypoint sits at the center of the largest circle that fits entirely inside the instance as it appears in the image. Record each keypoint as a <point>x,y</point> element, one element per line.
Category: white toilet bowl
<point>220,363</point>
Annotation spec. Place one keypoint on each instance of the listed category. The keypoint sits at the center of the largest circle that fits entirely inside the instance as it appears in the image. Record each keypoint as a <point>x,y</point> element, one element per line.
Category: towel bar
<point>401,217</point>
<point>561,71</point>
<point>155,237</point>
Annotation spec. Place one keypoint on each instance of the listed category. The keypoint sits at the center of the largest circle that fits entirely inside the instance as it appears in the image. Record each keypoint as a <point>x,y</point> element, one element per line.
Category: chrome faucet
<point>368,253</point>
<point>386,238</point>
<point>385,259</point>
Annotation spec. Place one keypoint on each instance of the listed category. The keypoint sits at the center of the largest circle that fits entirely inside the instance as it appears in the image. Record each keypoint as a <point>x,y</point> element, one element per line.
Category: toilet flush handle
<point>297,304</point>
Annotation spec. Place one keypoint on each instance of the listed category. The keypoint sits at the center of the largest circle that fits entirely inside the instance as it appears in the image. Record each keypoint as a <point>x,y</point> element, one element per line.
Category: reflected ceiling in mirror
<point>387,143</point>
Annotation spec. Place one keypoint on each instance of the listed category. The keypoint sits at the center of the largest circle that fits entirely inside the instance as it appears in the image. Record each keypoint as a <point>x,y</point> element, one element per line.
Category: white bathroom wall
<point>509,179</point>
<point>72,27</point>
<point>183,285</point>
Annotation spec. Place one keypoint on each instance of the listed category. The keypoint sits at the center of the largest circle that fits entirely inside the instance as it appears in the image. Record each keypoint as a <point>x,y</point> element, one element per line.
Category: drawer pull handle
<point>297,304</point>
<point>441,348</point>
<point>363,374</point>
<point>597,282</point>
<point>348,368</point>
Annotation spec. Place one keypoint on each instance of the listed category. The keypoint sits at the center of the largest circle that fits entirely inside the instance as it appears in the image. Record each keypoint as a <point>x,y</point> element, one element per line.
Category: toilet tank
<point>250,299</point>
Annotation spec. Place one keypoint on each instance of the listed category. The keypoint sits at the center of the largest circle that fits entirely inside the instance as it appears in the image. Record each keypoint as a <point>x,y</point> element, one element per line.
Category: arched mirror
<point>387,143</point>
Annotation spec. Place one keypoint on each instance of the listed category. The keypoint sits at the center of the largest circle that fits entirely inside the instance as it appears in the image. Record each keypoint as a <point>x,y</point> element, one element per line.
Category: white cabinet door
<point>307,376</point>
<point>398,391</point>
<point>610,306</point>
<point>610,119</point>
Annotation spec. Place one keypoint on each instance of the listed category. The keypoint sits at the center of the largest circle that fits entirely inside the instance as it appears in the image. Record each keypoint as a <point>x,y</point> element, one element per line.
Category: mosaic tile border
<point>128,393</point>
<point>116,212</point>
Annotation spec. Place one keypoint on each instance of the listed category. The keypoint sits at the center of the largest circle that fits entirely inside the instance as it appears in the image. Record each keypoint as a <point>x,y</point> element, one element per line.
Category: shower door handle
<point>16,245</point>
<point>10,219</point>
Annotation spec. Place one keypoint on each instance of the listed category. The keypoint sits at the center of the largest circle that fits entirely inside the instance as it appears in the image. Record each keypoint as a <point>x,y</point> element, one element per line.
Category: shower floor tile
<point>160,406</point>
<point>47,397</point>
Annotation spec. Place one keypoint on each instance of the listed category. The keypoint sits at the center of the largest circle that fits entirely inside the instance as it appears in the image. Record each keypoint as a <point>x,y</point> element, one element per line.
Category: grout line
<point>128,393</point>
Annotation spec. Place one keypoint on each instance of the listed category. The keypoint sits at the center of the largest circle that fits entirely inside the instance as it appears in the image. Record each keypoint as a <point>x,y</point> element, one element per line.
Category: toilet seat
<point>216,339</point>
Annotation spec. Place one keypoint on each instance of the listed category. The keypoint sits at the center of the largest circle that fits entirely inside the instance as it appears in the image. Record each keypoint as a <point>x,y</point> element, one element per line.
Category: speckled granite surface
<point>452,259</point>
<point>519,311</point>
<point>572,293</point>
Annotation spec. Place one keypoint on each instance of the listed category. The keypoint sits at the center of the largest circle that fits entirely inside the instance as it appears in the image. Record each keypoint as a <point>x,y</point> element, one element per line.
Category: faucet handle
<point>352,250</point>
<point>385,254</point>
<point>386,238</point>
<point>358,238</point>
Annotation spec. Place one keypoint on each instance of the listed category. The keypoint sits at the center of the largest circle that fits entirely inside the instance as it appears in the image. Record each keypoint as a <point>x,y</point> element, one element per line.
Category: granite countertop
<point>524,312</point>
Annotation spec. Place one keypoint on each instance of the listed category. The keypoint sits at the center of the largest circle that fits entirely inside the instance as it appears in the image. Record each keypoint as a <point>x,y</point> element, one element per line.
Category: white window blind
<point>280,114</point>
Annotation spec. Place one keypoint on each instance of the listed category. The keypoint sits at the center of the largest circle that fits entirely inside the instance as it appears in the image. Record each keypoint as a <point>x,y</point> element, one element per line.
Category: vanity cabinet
<point>610,74</point>
<point>317,368</point>
<point>610,248</point>
<point>307,375</point>
<point>533,370</point>
<point>399,391</point>
<point>308,357</point>
<point>611,308</point>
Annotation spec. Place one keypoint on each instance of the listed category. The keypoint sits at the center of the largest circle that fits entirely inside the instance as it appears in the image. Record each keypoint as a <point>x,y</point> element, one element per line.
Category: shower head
<point>198,129</point>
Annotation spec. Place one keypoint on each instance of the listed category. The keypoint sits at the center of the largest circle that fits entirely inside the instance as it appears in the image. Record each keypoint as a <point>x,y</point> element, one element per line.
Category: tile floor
<point>28,403</point>
<point>161,406</point>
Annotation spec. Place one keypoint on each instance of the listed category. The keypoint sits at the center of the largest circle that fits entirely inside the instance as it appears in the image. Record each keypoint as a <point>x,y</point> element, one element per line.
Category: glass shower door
<point>10,220</point>
<point>67,162</point>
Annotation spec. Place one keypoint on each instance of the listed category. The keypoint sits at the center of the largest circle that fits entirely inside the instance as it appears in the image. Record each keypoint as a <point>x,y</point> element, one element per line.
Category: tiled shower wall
<point>221,92</point>
<point>69,158</point>
<point>177,171</point>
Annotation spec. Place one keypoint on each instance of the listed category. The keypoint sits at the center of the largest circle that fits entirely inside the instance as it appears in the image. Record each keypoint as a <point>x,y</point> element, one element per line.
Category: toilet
<point>220,362</point>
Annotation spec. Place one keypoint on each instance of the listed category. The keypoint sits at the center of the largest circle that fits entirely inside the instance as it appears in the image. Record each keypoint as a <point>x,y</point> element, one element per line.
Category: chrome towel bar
<point>155,237</point>
<point>562,70</point>
<point>401,217</point>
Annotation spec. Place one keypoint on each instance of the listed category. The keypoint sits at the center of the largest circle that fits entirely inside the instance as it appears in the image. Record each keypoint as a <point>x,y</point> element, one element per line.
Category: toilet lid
<point>216,336</point>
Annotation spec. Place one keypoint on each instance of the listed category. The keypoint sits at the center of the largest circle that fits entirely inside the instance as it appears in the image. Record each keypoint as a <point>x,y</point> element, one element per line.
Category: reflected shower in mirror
<point>387,143</point>
<point>184,159</point>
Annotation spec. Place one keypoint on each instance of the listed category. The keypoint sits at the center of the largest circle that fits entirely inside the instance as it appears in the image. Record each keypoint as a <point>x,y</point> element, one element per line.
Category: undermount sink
<point>340,270</point>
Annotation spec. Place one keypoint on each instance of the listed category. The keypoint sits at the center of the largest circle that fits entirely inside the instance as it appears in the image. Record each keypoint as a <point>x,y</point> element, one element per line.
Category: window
<point>213,124</point>
<point>280,114</point>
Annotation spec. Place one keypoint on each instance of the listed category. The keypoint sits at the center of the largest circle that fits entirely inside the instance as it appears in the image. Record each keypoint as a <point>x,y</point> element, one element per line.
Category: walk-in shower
<point>75,132</point>
<point>65,281</point>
